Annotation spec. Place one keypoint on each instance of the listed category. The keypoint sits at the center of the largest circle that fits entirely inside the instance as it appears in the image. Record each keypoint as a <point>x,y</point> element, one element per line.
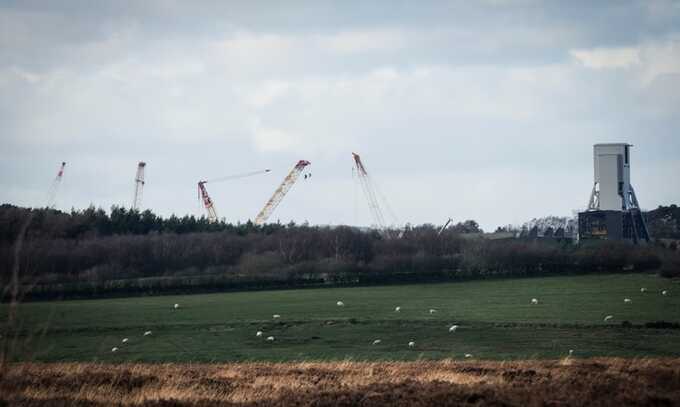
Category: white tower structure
<point>613,209</point>
<point>612,190</point>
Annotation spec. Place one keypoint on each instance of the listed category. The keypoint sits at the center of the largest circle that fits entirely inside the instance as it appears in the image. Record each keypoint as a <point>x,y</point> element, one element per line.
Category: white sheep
<point>124,340</point>
<point>276,316</point>
<point>643,290</point>
<point>176,306</point>
<point>571,352</point>
<point>340,304</point>
<point>627,300</point>
<point>147,333</point>
<point>432,310</point>
<point>534,301</point>
<point>411,344</point>
<point>114,349</point>
<point>270,338</point>
<point>258,333</point>
<point>453,328</point>
<point>468,355</point>
<point>664,292</point>
<point>397,309</point>
<point>608,318</point>
<point>377,341</point>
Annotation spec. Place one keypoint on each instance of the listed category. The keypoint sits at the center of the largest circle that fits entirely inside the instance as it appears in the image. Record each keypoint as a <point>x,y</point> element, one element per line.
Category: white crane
<point>448,222</point>
<point>372,194</point>
<point>281,191</point>
<point>139,185</point>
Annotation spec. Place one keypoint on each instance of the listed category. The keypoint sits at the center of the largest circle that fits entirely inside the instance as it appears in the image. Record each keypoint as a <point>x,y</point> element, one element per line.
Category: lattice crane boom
<point>139,186</point>
<point>52,194</point>
<point>208,203</point>
<point>281,192</point>
<point>369,192</point>
<point>443,228</point>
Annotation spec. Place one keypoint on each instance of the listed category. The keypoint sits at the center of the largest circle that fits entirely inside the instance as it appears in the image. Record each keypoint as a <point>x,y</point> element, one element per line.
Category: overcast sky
<point>483,110</point>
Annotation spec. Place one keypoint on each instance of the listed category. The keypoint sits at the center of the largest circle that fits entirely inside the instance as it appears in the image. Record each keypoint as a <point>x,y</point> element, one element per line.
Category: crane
<point>372,194</point>
<point>52,194</point>
<point>208,203</point>
<point>139,186</point>
<point>281,191</point>
<point>444,227</point>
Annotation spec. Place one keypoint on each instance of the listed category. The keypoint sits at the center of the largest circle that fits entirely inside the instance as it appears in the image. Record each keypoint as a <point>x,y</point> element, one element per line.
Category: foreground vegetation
<point>496,319</point>
<point>91,254</point>
<point>566,382</point>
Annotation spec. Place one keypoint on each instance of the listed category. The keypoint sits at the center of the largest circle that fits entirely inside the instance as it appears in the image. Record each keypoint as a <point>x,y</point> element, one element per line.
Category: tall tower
<point>613,209</point>
<point>139,186</point>
<point>612,190</point>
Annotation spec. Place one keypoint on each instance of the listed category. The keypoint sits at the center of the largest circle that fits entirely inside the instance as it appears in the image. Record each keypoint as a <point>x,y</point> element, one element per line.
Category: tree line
<point>91,253</point>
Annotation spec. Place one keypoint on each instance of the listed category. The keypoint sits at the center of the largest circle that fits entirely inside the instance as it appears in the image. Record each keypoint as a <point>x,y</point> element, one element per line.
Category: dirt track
<point>446,383</point>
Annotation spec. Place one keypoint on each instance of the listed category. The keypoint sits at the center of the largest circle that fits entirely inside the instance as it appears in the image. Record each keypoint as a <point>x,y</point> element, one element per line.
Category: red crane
<point>208,202</point>
<point>52,194</point>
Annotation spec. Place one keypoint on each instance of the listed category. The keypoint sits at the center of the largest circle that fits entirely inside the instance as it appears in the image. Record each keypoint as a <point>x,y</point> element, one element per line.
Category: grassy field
<point>496,318</point>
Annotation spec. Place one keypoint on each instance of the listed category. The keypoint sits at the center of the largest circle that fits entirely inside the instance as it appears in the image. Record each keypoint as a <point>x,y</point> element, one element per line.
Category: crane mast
<point>205,197</point>
<point>139,186</point>
<point>281,191</point>
<point>369,192</point>
<point>207,201</point>
<point>444,227</point>
<point>52,194</point>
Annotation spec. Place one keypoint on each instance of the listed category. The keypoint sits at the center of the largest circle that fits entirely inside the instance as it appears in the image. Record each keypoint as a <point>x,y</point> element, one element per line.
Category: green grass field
<point>496,318</point>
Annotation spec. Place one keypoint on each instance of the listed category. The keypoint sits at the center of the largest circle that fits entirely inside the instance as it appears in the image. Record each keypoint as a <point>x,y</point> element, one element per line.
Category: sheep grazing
<point>176,306</point>
<point>276,316</point>
<point>432,310</point>
<point>643,290</point>
<point>411,344</point>
<point>258,333</point>
<point>124,340</point>
<point>571,352</point>
<point>114,349</point>
<point>270,338</point>
<point>453,328</point>
<point>147,333</point>
<point>397,309</point>
<point>468,355</point>
<point>608,318</point>
<point>664,292</point>
<point>627,300</point>
<point>534,301</point>
<point>340,304</point>
<point>376,342</point>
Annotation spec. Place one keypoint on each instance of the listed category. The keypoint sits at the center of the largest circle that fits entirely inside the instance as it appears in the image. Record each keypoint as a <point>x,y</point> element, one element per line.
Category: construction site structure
<point>208,203</point>
<point>52,193</point>
<point>372,195</point>
<point>139,186</point>
<point>281,191</point>
<point>613,210</point>
<point>443,228</point>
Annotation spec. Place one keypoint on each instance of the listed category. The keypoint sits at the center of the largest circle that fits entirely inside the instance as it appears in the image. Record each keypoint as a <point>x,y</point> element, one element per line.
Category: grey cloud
<point>463,109</point>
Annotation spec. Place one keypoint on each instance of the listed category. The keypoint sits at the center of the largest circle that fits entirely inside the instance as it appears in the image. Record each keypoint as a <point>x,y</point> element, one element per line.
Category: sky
<point>482,110</point>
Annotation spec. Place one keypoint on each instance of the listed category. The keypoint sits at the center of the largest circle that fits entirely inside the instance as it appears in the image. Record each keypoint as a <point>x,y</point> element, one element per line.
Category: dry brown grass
<point>442,383</point>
